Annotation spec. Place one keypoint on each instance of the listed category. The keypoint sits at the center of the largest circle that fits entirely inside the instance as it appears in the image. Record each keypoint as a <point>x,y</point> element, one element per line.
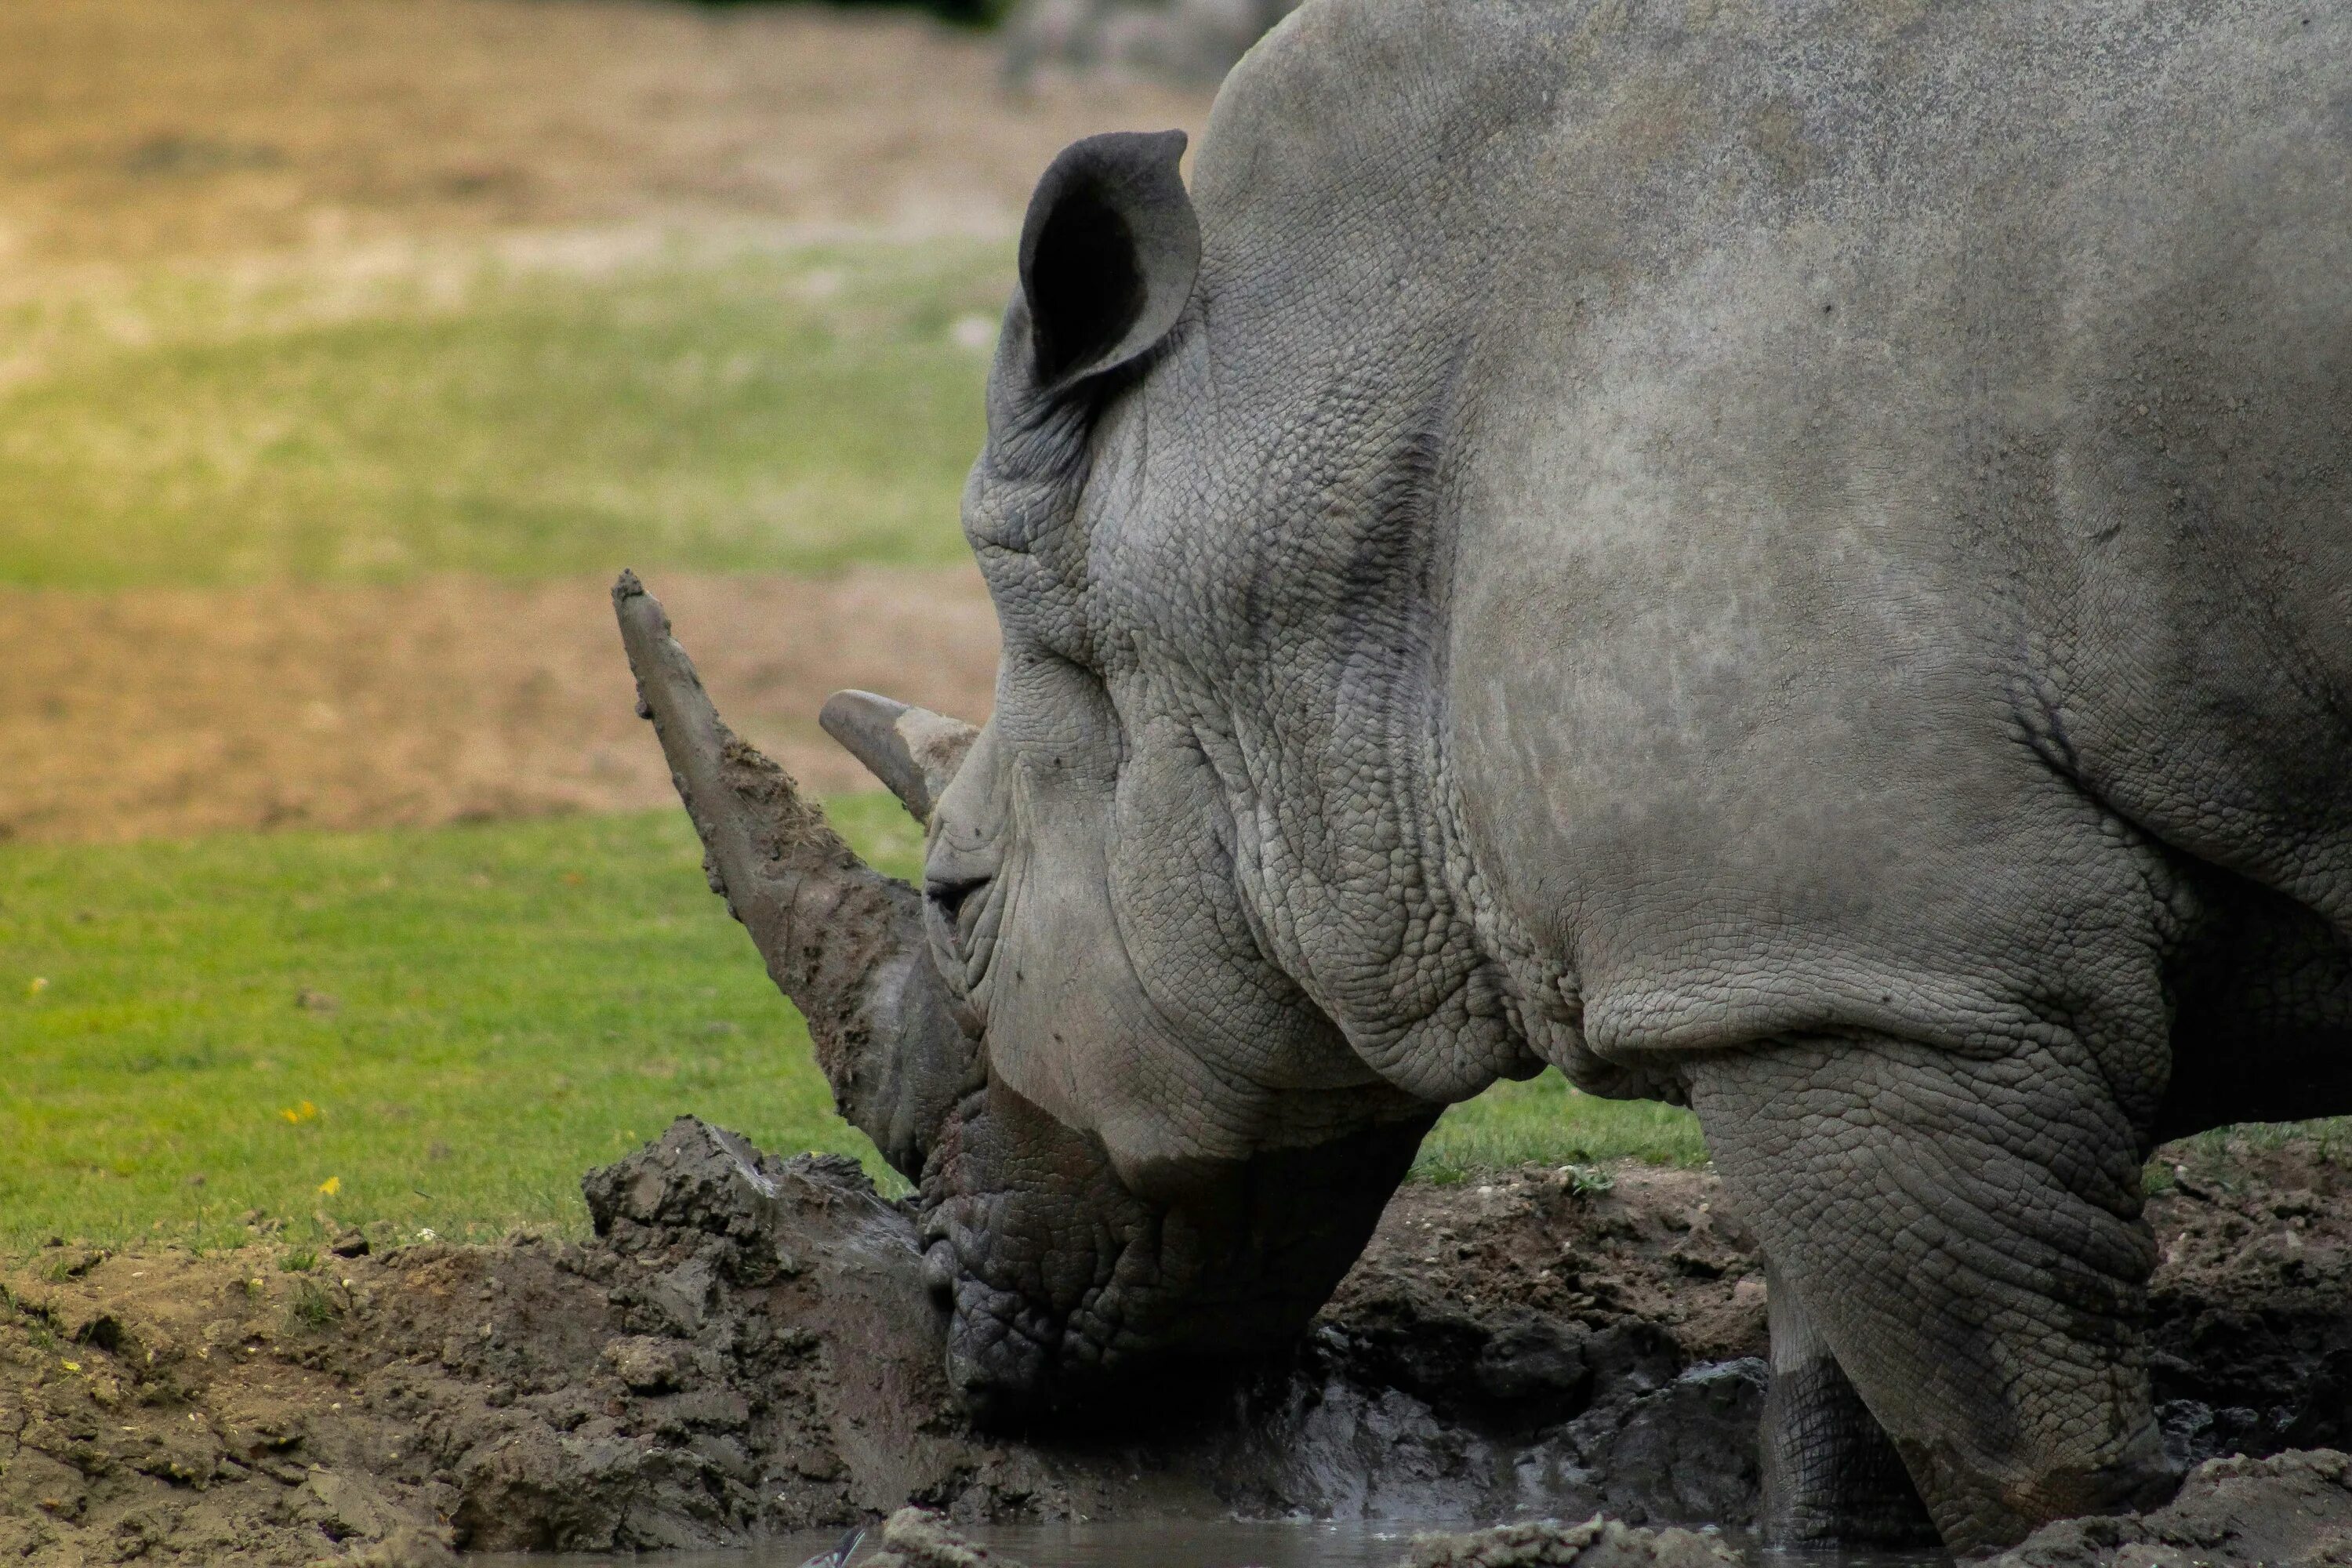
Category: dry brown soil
<point>136,130</point>
<point>155,712</point>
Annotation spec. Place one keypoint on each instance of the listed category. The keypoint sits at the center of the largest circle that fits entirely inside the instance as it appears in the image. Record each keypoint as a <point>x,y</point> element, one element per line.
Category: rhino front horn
<point>843,941</point>
<point>913,750</point>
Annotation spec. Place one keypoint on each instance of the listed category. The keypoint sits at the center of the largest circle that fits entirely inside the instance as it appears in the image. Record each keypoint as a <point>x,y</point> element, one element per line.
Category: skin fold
<point>1794,558</point>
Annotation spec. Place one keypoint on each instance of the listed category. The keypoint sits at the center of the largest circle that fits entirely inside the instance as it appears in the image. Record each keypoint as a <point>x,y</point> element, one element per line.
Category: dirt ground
<point>162,712</point>
<point>747,1348</point>
<point>138,130</point>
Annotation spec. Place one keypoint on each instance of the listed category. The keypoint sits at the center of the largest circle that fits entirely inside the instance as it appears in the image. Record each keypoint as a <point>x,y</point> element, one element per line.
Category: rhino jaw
<point>1070,1293</point>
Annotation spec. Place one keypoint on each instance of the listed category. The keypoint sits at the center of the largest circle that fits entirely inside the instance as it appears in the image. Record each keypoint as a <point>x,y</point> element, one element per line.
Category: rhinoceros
<point>1789,556</point>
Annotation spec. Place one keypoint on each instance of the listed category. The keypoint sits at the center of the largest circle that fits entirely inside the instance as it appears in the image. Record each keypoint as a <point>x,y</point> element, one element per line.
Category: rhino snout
<point>1066,1286</point>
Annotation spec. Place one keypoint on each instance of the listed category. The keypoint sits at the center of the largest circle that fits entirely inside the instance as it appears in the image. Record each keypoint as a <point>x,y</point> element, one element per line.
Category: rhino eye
<point>948,898</point>
<point>956,907</point>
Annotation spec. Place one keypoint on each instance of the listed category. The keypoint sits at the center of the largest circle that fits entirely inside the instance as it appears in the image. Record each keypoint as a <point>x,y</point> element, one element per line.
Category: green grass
<point>490,1011</point>
<point>791,411</point>
<point>1545,1121</point>
<point>446,1028</point>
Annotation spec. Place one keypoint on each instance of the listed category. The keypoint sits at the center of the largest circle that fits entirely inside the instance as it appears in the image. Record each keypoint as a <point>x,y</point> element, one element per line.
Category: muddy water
<point>1178,1544</point>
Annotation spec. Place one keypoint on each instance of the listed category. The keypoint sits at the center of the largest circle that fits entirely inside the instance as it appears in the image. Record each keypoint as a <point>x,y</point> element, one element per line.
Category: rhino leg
<point>1966,1233</point>
<point>1831,1476</point>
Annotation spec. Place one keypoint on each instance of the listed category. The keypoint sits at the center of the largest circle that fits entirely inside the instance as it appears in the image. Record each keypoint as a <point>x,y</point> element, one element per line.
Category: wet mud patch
<point>745,1349</point>
<point>2293,1507</point>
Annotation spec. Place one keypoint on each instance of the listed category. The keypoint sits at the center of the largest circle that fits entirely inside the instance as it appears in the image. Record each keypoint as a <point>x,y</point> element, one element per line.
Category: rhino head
<point>1136,1140</point>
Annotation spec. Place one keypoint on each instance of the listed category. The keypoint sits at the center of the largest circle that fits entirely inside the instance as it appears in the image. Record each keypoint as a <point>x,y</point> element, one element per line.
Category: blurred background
<point>348,349</point>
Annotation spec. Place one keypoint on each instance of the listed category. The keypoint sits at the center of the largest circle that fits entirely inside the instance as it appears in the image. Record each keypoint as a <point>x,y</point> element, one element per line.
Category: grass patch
<point>442,1029</point>
<point>754,412</point>
<point>1545,1121</point>
<point>2331,1136</point>
<point>2223,1157</point>
<point>431,1029</point>
<point>312,1308</point>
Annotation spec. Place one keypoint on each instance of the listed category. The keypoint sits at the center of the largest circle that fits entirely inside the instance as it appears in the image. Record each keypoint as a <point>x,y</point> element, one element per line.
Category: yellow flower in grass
<point>293,1115</point>
<point>331,1186</point>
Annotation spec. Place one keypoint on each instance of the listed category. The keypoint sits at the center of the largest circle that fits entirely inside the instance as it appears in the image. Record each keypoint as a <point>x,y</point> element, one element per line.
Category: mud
<point>2291,1508</point>
<point>745,1349</point>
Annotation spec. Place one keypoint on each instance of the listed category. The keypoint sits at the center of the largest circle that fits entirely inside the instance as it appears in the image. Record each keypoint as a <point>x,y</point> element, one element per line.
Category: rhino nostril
<point>940,1271</point>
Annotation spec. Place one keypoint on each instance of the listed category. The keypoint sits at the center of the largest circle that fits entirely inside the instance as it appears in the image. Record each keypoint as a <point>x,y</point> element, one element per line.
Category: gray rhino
<point>1793,556</point>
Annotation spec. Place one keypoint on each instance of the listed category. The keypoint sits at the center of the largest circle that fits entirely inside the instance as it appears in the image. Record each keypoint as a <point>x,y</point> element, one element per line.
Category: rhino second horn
<point>843,941</point>
<point>913,750</point>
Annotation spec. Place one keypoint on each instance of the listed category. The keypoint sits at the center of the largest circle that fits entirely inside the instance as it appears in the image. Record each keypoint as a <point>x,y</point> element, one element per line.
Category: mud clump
<point>1538,1344</point>
<point>2253,1303</point>
<point>746,1348</point>
<point>2284,1512</point>
<point>918,1538</point>
<point>1547,1543</point>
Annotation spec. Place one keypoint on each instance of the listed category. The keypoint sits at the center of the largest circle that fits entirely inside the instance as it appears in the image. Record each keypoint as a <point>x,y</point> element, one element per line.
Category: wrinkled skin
<point>1795,558</point>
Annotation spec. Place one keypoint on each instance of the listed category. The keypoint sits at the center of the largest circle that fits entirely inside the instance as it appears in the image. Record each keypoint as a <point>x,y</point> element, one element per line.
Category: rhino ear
<point>1108,253</point>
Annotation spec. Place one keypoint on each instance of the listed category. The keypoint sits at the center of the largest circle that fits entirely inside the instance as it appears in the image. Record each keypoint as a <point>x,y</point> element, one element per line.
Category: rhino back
<point>1891,483</point>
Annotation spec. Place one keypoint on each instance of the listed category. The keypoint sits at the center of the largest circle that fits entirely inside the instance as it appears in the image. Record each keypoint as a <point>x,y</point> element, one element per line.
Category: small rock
<point>347,1505</point>
<point>350,1244</point>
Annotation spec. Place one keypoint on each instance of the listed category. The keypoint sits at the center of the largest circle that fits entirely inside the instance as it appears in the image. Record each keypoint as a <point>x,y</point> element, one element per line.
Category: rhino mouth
<point>1067,1289</point>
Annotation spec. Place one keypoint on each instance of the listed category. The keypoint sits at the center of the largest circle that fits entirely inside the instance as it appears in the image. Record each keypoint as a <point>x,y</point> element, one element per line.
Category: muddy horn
<point>843,941</point>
